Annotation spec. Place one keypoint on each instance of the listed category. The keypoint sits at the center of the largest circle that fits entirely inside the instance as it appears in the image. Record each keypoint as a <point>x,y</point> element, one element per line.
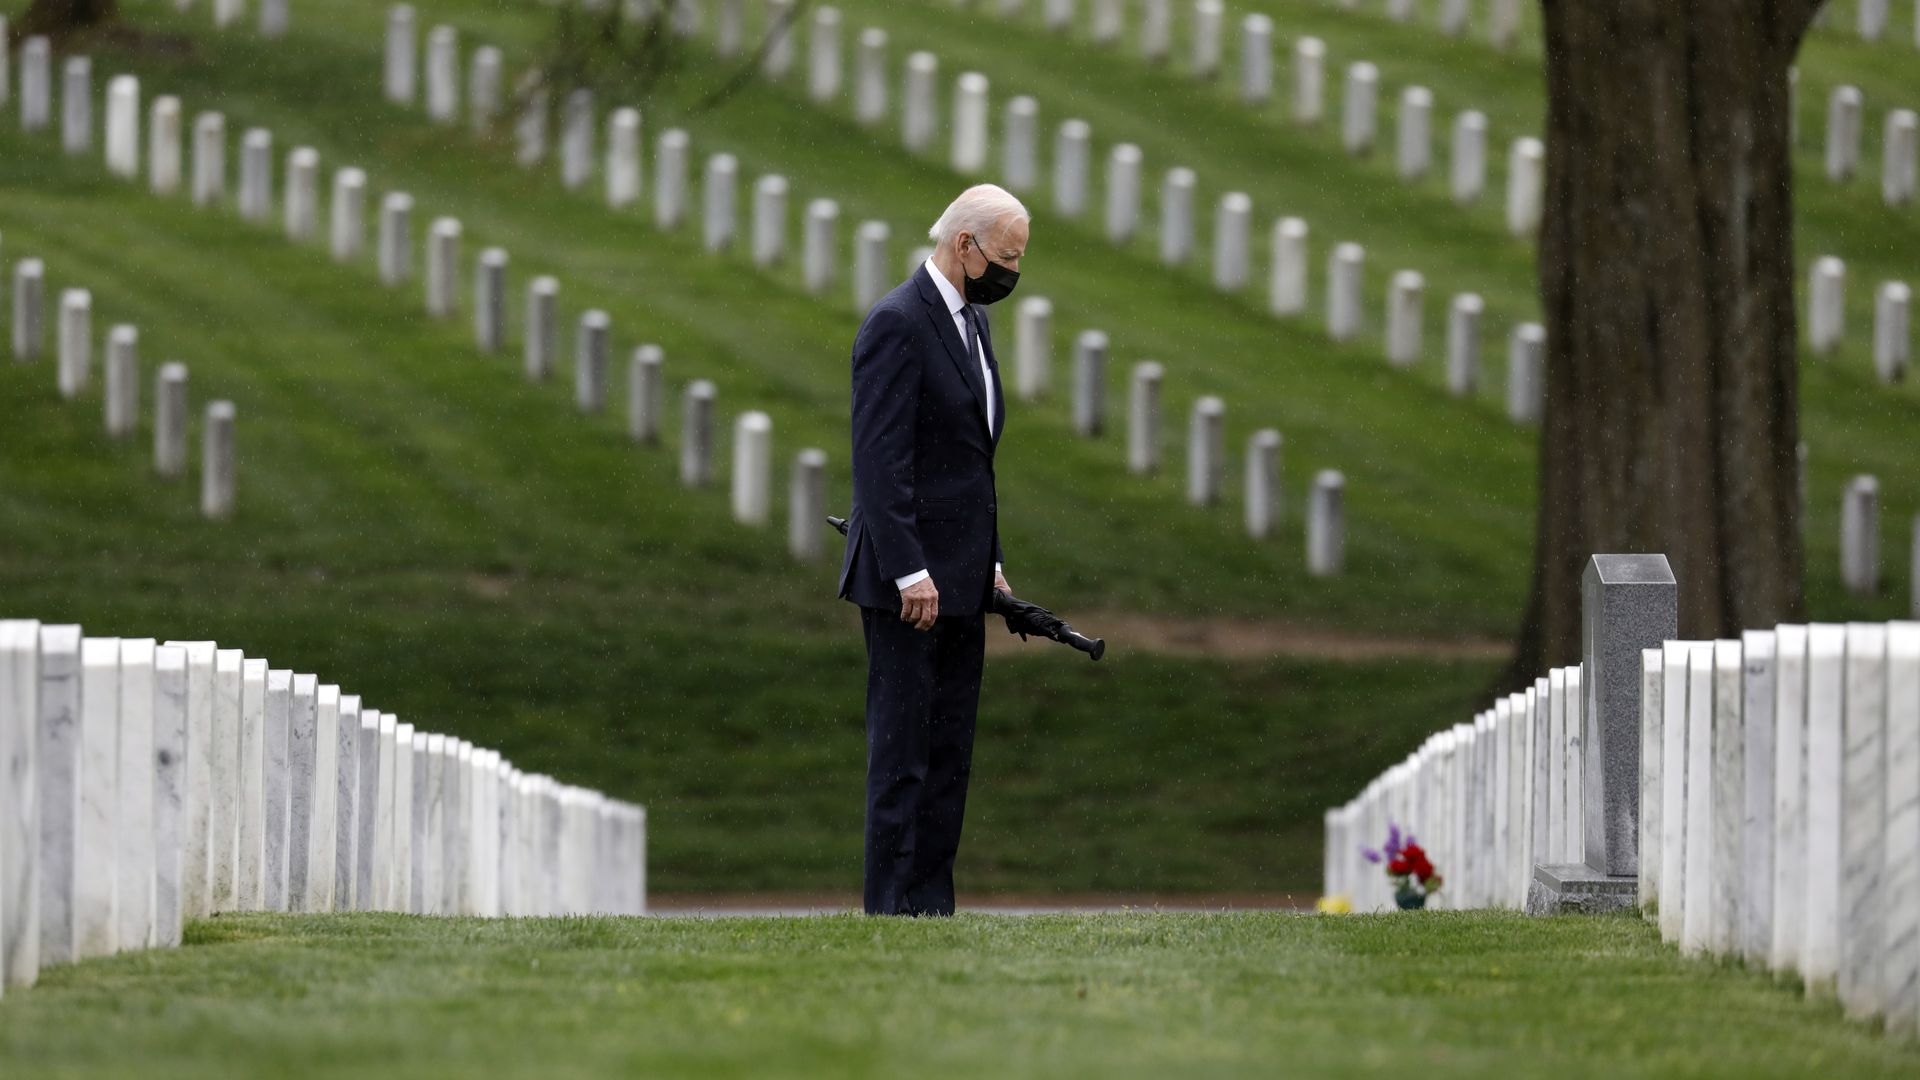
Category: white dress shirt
<point>955,304</point>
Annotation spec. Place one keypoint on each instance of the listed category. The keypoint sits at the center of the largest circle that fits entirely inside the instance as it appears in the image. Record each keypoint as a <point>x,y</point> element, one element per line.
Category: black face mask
<point>990,287</point>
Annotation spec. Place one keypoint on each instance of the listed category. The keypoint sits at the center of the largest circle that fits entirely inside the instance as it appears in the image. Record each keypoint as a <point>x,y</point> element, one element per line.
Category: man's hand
<point>1000,582</point>
<point>920,604</point>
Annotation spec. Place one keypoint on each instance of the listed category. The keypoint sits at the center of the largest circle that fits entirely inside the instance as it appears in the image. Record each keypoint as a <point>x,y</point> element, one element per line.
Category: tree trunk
<point>60,17</point>
<point>1666,276</point>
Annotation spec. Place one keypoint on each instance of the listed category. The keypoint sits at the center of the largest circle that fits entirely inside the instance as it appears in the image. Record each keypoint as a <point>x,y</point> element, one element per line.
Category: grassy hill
<point>419,523</point>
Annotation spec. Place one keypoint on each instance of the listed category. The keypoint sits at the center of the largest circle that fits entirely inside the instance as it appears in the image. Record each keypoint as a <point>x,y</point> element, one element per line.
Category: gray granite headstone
<point>1630,604</point>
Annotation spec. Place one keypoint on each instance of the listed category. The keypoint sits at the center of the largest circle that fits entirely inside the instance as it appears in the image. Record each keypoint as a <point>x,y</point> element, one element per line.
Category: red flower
<point>1398,867</point>
<point>1416,861</point>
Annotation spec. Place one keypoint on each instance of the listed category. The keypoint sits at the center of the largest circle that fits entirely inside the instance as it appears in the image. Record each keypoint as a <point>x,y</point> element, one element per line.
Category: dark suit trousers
<point>923,688</point>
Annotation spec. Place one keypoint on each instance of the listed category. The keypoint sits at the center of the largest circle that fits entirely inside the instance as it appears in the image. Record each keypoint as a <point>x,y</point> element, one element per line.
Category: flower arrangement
<point>1407,864</point>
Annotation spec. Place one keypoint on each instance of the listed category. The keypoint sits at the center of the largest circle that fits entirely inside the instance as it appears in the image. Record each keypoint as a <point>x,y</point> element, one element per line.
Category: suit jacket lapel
<point>956,348</point>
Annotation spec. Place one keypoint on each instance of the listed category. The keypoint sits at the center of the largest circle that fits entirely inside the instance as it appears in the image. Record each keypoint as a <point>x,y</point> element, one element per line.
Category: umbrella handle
<point>1095,648</point>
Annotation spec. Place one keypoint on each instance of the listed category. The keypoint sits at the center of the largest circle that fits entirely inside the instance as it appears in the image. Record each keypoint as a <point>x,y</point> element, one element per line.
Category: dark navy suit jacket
<point>923,495</point>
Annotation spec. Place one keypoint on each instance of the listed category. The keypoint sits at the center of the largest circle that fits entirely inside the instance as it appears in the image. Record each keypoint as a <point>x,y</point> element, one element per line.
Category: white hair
<point>979,210</point>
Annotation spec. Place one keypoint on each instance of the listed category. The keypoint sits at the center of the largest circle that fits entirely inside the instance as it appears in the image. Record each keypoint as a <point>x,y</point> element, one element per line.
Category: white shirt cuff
<point>916,578</point>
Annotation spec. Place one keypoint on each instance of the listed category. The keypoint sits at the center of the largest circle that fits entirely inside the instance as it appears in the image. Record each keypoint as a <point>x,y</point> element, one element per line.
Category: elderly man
<point>923,543</point>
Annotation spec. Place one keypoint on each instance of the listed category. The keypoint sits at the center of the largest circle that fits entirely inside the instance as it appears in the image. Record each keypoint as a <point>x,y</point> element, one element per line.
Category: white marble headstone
<point>133,814</point>
<point>383,815</point>
<point>1758,729</point>
<point>302,772</point>
<point>1826,753</point>
<point>400,874</point>
<point>96,866</point>
<point>1900,883</point>
<point>224,787</point>
<point>1729,801</point>
<point>1652,745</point>
<point>1789,798</point>
<point>346,807</point>
<point>323,828</point>
<point>1526,185</point>
<point>19,802</point>
<point>57,758</point>
<point>250,862</point>
<point>171,705</point>
<point>1696,933</point>
<point>367,818</point>
<point>1863,812</point>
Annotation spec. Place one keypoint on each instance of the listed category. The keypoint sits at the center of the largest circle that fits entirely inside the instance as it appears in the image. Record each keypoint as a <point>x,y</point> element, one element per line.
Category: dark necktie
<point>976,367</point>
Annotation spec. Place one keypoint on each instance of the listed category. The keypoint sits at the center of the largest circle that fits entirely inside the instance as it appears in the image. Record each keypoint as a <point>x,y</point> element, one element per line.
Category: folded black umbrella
<point>1025,618</point>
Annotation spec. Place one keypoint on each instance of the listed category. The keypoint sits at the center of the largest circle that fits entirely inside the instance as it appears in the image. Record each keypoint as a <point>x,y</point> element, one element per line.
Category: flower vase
<point>1410,900</point>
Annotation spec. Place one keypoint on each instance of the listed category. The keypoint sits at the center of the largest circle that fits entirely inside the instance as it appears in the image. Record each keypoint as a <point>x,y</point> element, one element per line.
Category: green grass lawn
<point>418,523</point>
<point>1433,995</point>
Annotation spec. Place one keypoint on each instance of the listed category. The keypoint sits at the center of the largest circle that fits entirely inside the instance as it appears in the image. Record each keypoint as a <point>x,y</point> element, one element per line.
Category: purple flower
<point>1393,840</point>
<point>1370,855</point>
